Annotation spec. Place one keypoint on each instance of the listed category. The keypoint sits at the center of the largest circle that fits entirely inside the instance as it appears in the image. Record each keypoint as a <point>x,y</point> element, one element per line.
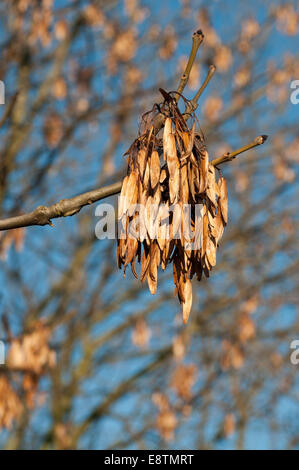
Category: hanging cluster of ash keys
<point>172,206</point>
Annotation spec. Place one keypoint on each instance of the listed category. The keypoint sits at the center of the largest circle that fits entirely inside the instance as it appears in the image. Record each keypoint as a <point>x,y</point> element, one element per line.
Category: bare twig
<point>227,157</point>
<point>9,109</point>
<point>197,39</point>
<point>192,105</point>
<point>42,215</point>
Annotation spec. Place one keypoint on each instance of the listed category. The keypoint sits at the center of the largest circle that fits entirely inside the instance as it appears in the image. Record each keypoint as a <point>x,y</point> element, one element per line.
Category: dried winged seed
<point>184,184</point>
<point>180,288</point>
<point>118,257</point>
<point>166,133</point>
<point>122,227</point>
<point>141,217</point>
<point>185,153</point>
<point>133,206</point>
<point>204,168</point>
<point>133,268</point>
<point>164,254</point>
<point>217,191</point>
<point>147,215</point>
<point>206,270</point>
<point>144,264</point>
<point>176,219</point>
<point>132,192</point>
<point>223,198</point>
<point>217,230</point>
<point>173,190</point>
<point>198,238</point>
<point>147,240</point>
<point>141,159</point>
<point>152,285</point>
<point>174,187</point>
<point>191,181</point>
<point>211,252</point>
<point>154,169</point>
<point>211,210</point>
<point>158,255</point>
<point>164,211</point>
<point>122,206</point>
<point>157,196</point>
<point>163,226</point>
<point>153,271</point>
<point>161,237</point>
<point>132,246</point>
<point>196,177</point>
<point>146,176</point>
<point>186,140</point>
<point>207,265</point>
<point>171,155</point>
<point>151,217</point>
<point>193,160</point>
<point>211,193</point>
<point>187,229</point>
<point>211,218</point>
<point>192,136</point>
<point>163,175</point>
<point>164,257</point>
<point>175,292</point>
<point>187,255</point>
<point>205,233</point>
<point>171,237</point>
<point>133,228</point>
<point>142,197</point>
<point>123,237</point>
<point>122,249</point>
<point>187,303</point>
<point>154,250</point>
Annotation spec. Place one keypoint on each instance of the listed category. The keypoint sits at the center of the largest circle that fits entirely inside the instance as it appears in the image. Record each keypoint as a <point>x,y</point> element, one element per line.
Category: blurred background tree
<point>93,361</point>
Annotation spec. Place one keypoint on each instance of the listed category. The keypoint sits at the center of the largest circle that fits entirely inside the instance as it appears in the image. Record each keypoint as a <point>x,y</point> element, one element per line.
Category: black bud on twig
<point>199,33</point>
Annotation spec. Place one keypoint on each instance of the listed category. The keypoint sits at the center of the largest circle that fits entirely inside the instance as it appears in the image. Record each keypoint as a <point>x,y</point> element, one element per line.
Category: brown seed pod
<point>174,212</point>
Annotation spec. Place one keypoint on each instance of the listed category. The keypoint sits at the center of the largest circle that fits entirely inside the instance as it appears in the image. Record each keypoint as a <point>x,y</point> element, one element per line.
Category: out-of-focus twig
<point>8,110</point>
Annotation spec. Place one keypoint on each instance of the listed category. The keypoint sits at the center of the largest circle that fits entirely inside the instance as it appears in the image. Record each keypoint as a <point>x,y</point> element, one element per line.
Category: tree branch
<point>42,215</point>
<point>197,39</point>
<point>192,105</point>
<point>227,157</point>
